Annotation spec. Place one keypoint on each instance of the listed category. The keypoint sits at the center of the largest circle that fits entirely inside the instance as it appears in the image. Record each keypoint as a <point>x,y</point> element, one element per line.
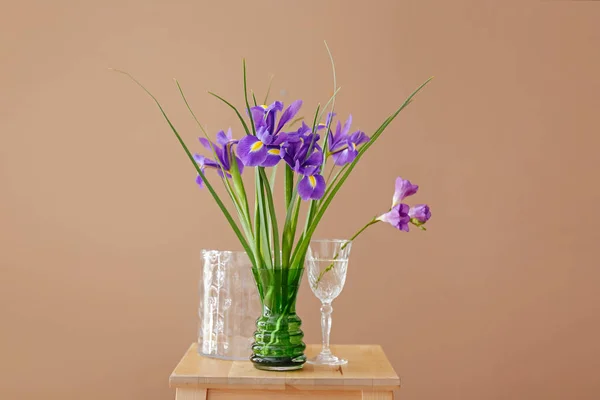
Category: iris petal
<point>205,143</point>
<point>273,156</point>
<point>251,151</point>
<point>224,138</point>
<point>288,114</point>
<point>199,182</point>
<point>311,187</point>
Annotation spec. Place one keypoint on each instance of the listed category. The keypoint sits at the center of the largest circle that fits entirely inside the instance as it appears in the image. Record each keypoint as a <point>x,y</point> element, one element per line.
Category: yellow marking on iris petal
<point>353,146</point>
<point>256,146</point>
<point>274,152</point>
<point>313,181</point>
<point>264,107</point>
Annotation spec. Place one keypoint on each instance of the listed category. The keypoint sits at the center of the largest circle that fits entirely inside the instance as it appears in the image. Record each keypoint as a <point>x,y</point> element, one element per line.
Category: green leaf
<point>289,234</point>
<point>313,203</point>
<point>288,184</point>
<point>234,109</point>
<point>257,228</point>
<point>332,100</point>
<point>241,202</point>
<point>214,194</point>
<point>268,89</point>
<point>289,228</point>
<point>271,207</point>
<point>240,190</point>
<point>237,193</point>
<point>246,98</point>
<point>302,247</point>
<point>265,246</point>
<point>272,178</point>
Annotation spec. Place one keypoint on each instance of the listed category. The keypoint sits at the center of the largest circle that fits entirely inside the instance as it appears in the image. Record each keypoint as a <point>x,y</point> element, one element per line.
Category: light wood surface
<point>368,375</point>
<point>191,394</point>
<point>377,395</point>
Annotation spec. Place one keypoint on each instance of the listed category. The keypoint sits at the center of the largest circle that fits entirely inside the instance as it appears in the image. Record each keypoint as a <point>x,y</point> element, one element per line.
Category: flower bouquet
<point>277,245</point>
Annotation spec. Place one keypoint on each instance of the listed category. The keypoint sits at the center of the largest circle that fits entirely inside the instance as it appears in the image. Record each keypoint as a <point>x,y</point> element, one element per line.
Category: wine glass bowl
<point>327,278</point>
<point>327,265</point>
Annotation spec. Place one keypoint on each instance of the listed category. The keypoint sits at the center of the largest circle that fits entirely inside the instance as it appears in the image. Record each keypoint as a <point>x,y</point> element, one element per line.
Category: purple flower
<point>223,151</point>
<point>327,121</point>
<point>398,217</point>
<point>264,149</point>
<point>311,187</point>
<point>419,214</point>
<point>295,151</point>
<point>342,146</point>
<point>303,154</point>
<point>403,189</point>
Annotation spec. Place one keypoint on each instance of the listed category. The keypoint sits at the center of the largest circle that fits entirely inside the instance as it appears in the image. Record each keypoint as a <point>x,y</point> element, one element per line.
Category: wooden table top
<point>368,368</point>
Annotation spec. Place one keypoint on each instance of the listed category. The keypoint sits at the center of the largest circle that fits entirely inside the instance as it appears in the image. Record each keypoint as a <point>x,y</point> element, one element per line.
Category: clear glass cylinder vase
<point>229,305</point>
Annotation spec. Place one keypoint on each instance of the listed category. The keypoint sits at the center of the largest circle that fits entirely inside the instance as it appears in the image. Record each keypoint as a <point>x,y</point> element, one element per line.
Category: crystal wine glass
<point>327,263</point>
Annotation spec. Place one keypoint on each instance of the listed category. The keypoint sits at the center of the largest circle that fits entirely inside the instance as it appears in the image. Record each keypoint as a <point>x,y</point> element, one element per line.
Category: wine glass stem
<point>326,311</point>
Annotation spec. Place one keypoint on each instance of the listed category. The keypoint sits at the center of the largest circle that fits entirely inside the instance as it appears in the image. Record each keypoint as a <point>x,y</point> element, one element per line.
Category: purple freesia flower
<point>398,217</point>
<point>223,151</point>
<point>343,146</point>
<point>264,149</point>
<point>419,214</point>
<point>403,189</point>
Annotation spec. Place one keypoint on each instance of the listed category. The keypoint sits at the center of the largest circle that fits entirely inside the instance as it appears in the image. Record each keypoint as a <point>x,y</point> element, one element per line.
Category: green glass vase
<point>278,344</point>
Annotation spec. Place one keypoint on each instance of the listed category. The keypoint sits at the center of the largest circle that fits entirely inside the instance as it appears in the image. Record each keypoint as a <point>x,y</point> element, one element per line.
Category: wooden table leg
<point>190,394</point>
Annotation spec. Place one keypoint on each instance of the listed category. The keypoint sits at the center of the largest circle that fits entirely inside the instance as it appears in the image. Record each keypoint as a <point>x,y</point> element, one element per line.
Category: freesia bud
<point>419,214</point>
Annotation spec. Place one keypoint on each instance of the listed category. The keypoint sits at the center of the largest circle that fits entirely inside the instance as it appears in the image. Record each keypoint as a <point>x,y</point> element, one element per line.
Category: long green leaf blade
<point>247,103</point>
<point>265,245</point>
<point>237,194</point>
<point>214,194</point>
<point>234,109</point>
<point>273,216</point>
<point>288,183</point>
<point>301,248</point>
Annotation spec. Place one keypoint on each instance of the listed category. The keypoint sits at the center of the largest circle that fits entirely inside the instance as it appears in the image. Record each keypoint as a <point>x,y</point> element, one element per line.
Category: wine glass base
<point>327,359</point>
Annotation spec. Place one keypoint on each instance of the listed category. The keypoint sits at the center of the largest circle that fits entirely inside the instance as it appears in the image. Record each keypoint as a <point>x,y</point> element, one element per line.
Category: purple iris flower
<point>303,154</point>
<point>311,187</point>
<point>264,149</point>
<point>294,151</point>
<point>343,146</point>
<point>398,217</point>
<point>223,151</point>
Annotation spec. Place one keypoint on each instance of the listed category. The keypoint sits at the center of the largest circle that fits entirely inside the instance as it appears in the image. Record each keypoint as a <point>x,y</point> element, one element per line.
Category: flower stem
<point>329,176</point>
<point>330,266</point>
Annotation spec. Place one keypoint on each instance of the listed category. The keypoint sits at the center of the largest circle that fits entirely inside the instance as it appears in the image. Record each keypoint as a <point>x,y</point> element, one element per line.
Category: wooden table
<point>368,375</point>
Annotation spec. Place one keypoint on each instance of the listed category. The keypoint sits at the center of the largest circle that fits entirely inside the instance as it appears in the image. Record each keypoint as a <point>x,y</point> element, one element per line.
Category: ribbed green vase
<point>278,344</point>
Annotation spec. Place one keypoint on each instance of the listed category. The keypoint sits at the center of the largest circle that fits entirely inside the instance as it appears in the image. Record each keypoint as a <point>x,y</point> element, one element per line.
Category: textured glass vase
<point>229,305</point>
<point>278,344</point>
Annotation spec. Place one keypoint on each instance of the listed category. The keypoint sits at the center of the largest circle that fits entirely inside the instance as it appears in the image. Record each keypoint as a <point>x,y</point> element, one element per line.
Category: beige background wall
<point>101,224</point>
